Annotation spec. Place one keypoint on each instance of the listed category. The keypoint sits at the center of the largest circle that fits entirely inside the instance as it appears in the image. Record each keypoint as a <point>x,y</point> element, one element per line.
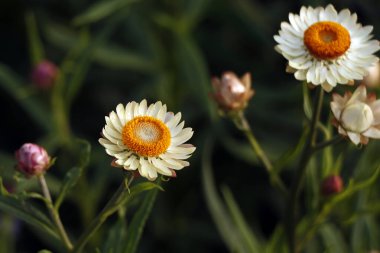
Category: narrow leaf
<point>138,222</point>
<point>72,177</point>
<point>251,240</point>
<point>36,50</point>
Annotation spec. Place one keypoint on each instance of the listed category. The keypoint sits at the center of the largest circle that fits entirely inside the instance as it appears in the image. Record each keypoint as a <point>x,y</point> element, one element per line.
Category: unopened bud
<point>373,78</point>
<point>232,93</point>
<point>44,74</point>
<point>32,159</point>
<point>331,185</point>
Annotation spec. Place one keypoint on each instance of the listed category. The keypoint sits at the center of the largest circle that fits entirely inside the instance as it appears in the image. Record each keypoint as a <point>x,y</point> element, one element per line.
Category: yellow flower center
<point>146,136</point>
<point>327,40</point>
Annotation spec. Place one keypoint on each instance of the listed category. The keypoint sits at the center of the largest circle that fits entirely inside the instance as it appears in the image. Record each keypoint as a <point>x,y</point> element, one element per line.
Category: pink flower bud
<point>32,159</point>
<point>331,185</point>
<point>232,93</point>
<point>44,74</point>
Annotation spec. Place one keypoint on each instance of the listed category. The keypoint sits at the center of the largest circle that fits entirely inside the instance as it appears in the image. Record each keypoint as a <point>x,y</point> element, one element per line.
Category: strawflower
<point>147,139</point>
<point>325,47</point>
<point>357,115</point>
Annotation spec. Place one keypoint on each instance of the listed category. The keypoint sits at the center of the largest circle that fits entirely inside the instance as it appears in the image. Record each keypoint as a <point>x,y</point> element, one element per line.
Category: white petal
<point>121,113</point>
<point>183,137</point>
<point>354,137</point>
<point>147,170</point>
<point>372,132</point>
<point>143,107</point>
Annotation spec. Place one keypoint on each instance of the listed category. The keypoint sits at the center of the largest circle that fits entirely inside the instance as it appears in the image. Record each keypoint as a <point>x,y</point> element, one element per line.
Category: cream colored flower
<point>148,139</point>
<point>325,47</point>
<point>232,93</point>
<point>357,115</point>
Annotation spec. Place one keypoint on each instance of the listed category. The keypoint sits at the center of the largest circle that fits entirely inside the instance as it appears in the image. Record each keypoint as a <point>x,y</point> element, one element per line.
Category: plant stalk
<point>244,126</point>
<point>54,213</point>
<point>301,171</point>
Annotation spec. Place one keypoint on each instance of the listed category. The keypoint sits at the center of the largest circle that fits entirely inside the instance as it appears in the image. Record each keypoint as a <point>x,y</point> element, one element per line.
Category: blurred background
<point>117,51</point>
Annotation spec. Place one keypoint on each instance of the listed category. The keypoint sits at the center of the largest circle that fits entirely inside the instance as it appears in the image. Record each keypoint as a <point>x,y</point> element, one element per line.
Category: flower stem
<point>110,208</point>
<point>301,171</point>
<point>242,123</point>
<point>54,213</point>
<point>327,143</point>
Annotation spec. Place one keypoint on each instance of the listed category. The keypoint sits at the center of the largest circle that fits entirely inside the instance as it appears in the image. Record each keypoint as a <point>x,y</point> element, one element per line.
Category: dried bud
<point>331,185</point>
<point>373,78</point>
<point>44,74</point>
<point>232,93</point>
<point>32,159</point>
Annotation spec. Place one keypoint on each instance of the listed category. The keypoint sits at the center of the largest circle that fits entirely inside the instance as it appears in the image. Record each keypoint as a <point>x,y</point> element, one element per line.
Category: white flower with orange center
<point>325,47</point>
<point>357,115</point>
<point>148,139</point>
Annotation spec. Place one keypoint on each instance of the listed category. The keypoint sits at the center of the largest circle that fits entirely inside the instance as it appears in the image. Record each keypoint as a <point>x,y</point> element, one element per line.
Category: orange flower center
<point>146,136</point>
<point>327,40</point>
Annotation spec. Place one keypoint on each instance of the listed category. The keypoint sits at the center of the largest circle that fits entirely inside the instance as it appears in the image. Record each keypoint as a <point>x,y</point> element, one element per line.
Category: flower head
<point>32,159</point>
<point>325,47</point>
<point>147,138</point>
<point>232,93</point>
<point>331,185</point>
<point>44,74</point>
<point>357,115</point>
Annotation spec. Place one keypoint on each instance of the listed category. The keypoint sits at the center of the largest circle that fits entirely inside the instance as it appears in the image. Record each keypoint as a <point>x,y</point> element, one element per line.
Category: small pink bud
<point>32,159</point>
<point>232,93</point>
<point>331,185</point>
<point>44,74</point>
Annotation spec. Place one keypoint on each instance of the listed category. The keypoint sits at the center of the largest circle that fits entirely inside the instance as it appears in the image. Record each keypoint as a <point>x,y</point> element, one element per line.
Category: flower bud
<point>373,78</point>
<point>232,93</point>
<point>32,159</point>
<point>44,74</point>
<point>331,185</point>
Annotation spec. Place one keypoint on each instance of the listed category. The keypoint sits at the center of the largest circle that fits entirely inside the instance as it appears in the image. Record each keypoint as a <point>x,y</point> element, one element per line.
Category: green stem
<point>301,171</point>
<point>110,208</point>
<point>242,123</point>
<point>54,213</point>
<point>327,143</point>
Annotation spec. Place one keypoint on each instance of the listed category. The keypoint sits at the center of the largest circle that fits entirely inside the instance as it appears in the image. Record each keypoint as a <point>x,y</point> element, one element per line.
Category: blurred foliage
<point>112,51</point>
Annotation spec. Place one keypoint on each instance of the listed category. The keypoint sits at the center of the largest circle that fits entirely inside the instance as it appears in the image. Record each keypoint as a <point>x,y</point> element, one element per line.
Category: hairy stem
<point>54,213</point>
<point>242,123</point>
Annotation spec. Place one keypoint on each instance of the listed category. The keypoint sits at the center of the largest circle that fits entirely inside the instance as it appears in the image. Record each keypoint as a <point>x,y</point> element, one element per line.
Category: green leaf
<point>36,50</point>
<point>222,219</point>
<point>72,177</point>
<point>11,83</point>
<point>277,242</point>
<point>332,239</point>
<point>253,244</point>
<point>138,222</point>
<point>45,251</point>
<point>291,154</point>
<point>116,237</point>
<point>28,213</point>
<point>101,10</point>
<point>365,234</point>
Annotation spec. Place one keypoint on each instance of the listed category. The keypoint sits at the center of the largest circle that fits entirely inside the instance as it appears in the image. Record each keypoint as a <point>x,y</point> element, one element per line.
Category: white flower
<point>148,139</point>
<point>357,115</point>
<point>325,47</point>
